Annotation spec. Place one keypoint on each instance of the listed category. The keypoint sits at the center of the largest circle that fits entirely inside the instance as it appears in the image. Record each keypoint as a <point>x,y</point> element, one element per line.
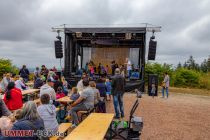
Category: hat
<point>50,80</point>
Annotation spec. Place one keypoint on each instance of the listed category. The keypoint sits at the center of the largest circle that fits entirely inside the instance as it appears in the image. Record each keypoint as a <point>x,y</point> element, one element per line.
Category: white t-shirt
<point>129,65</point>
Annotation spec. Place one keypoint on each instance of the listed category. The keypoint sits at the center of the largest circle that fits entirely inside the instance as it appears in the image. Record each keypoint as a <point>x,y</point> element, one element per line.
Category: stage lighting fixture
<point>78,34</point>
<point>128,35</point>
<point>113,34</point>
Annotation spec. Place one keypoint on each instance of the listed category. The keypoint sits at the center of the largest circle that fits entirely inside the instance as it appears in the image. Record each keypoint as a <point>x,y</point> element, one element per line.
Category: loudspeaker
<point>152,50</point>
<point>58,49</point>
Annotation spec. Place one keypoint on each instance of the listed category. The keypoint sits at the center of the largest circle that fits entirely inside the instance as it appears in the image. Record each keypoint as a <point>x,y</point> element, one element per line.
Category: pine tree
<point>204,66</point>
<point>179,65</point>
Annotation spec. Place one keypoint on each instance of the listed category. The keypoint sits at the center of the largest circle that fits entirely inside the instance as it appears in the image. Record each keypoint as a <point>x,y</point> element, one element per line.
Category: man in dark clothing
<point>24,73</point>
<point>118,89</point>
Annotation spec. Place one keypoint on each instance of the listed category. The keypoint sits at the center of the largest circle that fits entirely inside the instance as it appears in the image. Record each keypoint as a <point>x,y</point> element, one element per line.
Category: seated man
<point>83,103</point>
<point>48,89</point>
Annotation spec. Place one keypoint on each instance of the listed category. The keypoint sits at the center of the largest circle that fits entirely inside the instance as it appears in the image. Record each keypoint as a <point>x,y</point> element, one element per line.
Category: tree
<point>191,63</point>
<point>204,66</point>
<point>179,65</point>
<point>6,66</point>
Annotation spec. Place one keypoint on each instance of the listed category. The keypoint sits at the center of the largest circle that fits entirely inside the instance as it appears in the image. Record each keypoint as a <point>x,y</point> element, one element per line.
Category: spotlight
<point>78,34</point>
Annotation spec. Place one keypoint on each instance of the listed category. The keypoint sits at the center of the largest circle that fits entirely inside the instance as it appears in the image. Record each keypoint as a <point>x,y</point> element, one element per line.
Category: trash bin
<point>153,85</point>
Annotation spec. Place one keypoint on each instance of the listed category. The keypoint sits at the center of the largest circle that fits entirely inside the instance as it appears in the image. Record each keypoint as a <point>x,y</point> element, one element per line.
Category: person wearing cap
<point>118,89</point>
<point>48,89</point>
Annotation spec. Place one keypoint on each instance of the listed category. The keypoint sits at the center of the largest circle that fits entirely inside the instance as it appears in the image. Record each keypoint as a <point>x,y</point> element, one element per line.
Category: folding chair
<point>126,133</point>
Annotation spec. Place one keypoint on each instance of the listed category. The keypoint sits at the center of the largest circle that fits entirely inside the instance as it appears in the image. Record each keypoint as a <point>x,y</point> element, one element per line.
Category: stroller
<point>129,130</point>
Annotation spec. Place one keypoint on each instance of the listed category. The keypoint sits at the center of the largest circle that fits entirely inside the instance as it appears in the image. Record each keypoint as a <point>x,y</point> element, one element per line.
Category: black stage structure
<point>76,39</point>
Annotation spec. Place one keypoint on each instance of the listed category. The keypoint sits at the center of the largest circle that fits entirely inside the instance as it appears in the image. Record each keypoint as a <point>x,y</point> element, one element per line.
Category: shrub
<point>186,78</point>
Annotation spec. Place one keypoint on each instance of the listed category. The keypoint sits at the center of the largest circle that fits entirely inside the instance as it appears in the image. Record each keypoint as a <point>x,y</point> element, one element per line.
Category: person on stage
<point>129,67</point>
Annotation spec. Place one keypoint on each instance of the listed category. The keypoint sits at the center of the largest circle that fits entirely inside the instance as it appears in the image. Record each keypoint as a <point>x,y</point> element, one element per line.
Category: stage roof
<point>107,30</point>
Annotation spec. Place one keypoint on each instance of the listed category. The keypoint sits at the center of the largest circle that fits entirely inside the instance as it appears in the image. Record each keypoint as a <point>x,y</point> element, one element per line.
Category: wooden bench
<point>85,113</point>
<point>63,128</point>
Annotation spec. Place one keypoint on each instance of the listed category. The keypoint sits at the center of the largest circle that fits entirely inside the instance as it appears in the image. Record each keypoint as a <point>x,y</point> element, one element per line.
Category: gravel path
<point>180,117</point>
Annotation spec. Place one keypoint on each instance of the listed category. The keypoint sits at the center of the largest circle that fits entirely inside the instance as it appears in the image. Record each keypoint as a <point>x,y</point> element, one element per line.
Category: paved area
<point>180,117</point>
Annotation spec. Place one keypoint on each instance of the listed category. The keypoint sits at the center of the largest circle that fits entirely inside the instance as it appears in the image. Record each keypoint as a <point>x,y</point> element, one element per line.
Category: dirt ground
<point>180,117</point>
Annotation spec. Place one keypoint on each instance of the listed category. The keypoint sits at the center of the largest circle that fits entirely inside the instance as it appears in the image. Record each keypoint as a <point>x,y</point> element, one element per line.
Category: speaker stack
<point>152,49</point>
<point>58,49</point>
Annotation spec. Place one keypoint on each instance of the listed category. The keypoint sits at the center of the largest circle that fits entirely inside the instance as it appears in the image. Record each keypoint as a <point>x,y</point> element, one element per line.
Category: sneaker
<point>166,97</point>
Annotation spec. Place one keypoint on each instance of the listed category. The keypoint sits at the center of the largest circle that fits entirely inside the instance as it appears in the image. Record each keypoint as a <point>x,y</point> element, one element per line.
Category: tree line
<point>188,74</point>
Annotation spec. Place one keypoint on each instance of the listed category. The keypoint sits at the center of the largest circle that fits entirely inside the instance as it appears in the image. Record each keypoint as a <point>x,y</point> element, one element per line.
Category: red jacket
<point>15,102</point>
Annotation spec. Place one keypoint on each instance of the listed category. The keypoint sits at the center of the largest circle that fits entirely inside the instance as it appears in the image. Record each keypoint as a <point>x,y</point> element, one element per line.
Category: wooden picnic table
<point>94,127</point>
<point>65,99</point>
<point>30,84</point>
<point>29,91</point>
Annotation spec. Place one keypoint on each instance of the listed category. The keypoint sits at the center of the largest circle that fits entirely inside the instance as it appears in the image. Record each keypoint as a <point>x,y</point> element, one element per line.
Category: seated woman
<point>47,112</point>
<point>96,93</point>
<point>19,83</point>
<point>13,97</point>
<point>30,120</point>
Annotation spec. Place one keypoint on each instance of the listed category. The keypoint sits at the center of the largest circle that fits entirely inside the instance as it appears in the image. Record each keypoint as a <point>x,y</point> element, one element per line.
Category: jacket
<point>15,102</point>
<point>118,84</point>
<point>23,124</point>
<point>4,111</point>
<point>46,89</point>
<point>48,113</point>
<point>102,89</point>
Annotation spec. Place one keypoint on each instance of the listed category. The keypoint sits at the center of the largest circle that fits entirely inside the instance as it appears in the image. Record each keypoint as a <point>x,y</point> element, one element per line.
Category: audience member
<point>75,95</point>
<point>4,111</point>
<point>38,82</point>
<point>19,83</point>
<point>96,92</point>
<point>80,85</point>
<point>47,112</point>
<point>83,103</point>
<point>48,89</point>
<point>100,85</point>
<point>36,73</point>
<point>13,97</point>
<point>118,89</point>
<point>5,124</point>
<point>24,73</point>
<point>30,120</point>
<point>108,89</point>
<point>5,81</point>
<point>44,71</point>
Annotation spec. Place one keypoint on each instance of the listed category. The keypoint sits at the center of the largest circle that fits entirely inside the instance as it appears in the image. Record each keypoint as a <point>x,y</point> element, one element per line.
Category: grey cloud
<point>26,35</point>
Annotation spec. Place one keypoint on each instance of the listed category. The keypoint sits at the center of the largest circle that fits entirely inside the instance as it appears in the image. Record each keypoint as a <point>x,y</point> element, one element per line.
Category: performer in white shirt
<point>129,67</point>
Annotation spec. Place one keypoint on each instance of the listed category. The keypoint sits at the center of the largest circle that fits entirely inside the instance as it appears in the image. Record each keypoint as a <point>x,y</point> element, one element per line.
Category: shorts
<point>109,93</point>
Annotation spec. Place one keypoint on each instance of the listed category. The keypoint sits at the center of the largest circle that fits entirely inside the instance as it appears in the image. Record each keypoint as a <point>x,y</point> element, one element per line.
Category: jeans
<point>118,100</point>
<point>163,89</point>
<point>74,110</point>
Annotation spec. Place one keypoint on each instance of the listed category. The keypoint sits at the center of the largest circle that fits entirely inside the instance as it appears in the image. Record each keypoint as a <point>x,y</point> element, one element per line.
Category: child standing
<point>109,88</point>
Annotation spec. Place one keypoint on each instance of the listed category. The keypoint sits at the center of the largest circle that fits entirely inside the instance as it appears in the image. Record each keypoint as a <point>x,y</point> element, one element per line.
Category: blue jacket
<point>102,89</point>
<point>108,86</point>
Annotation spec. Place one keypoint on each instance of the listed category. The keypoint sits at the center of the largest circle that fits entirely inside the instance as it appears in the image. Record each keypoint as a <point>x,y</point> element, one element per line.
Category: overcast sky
<point>26,36</point>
